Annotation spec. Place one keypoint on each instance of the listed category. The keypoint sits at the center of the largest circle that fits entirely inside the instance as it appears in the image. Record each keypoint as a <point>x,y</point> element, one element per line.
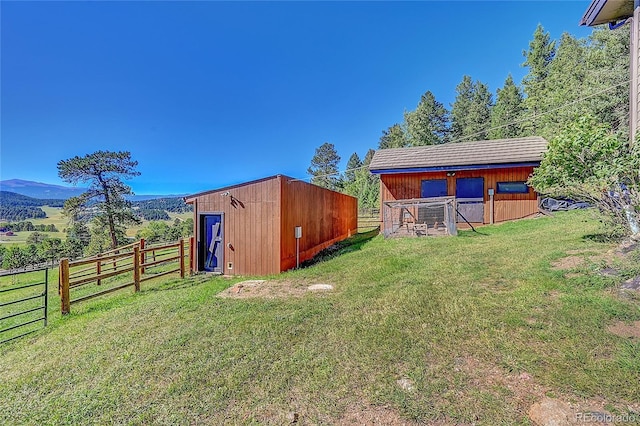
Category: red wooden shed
<point>487,178</point>
<point>251,228</point>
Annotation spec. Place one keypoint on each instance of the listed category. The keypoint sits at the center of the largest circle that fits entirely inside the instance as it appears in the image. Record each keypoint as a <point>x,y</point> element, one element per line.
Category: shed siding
<point>251,225</point>
<point>506,206</point>
<point>325,216</point>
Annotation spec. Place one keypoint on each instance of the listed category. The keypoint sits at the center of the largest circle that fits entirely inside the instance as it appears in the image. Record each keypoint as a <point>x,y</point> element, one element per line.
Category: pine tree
<point>608,67</point>
<point>324,167</point>
<point>427,124</point>
<point>471,111</point>
<point>393,137</point>
<point>353,165</point>
<point>507,112</point>
<point>366,186</point>
<point>105,171</point>
<point>538,59</point>
<point>567,83</point>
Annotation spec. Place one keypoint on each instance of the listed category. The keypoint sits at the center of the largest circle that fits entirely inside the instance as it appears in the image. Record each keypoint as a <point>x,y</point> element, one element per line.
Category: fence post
<point>65,304</point>
<point>181,251</point>
<point>192,254</point>
<point>98,268</point>
<point>136,267</point>
<point>142,255</point>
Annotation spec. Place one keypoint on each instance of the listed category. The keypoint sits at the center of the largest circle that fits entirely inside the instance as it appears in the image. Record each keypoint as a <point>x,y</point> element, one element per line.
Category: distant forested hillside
<point>14,199</point>
<point>16,207</point>
<point>16,213</point>
<point>169,204</point>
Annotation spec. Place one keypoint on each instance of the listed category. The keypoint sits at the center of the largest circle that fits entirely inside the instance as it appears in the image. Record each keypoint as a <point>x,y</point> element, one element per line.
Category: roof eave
<point>453,168</point>
<point>605,11</point>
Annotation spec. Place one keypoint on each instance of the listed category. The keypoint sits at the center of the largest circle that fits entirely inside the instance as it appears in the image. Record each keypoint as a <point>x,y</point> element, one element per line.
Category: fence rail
<point>16,297</point>
<point>129,263</point>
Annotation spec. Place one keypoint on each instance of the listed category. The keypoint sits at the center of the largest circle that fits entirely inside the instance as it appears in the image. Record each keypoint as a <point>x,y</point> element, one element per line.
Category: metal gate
<point>470,199</point>
<point>22,305</point>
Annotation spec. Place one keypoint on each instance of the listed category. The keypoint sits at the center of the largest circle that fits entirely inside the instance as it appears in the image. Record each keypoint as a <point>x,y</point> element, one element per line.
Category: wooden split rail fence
<point>123,267</point>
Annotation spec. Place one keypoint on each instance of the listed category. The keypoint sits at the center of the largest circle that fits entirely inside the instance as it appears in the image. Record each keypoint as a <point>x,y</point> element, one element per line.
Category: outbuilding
<point>485,180</point>
<point>267,226</point>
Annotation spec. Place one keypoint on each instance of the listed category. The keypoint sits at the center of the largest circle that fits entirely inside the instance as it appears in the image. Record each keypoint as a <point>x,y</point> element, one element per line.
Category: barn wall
<point>251,225</point>
<point>325,216</point>
<point>506,206</point>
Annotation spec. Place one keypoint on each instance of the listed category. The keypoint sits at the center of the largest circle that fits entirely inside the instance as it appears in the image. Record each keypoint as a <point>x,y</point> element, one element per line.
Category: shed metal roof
<point>603,11</point>
<point>462,155</point>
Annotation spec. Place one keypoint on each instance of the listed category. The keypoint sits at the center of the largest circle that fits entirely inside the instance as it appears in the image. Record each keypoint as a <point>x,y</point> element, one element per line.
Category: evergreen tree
<point>471,111</point>
<point>353,165</point>
<point>507,112</point>
<point>608,68</point>
<point>567,84</point>
<point>427,125</point>
<point>324,167</point>
<point>538,59</point>
<point>393,137</point>
<point>104,170</point>
<point>366,186</point>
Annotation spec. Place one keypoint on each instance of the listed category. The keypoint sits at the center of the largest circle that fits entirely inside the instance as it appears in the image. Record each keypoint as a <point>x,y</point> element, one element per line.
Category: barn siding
<point>325,216</point>
<point>506,206</point>
<point>251,225</point>
<point>259,226</point>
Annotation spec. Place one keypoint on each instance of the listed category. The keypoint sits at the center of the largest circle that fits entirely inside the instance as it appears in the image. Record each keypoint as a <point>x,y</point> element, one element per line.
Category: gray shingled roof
<point>491,152</point>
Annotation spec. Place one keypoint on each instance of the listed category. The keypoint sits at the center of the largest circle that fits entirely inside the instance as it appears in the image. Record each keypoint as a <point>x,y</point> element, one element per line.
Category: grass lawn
<point>471,329</point>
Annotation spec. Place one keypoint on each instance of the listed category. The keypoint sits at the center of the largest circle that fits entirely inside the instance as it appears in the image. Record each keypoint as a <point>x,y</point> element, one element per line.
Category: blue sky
<point>208,94</point>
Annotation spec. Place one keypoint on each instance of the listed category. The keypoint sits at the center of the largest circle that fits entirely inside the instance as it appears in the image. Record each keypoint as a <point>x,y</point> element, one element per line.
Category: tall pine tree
<point>427,124</point>
<point>507,112</point>
<point>393,137</point>
<point>471,111</point>
<point>353,165</point>
<point>538,59</point>
<point>324,167</point>
<point>567,84</point>
<point>366,186</point>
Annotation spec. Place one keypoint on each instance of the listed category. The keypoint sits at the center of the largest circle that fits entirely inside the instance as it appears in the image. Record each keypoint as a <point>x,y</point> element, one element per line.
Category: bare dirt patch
<point>582,258</point>
<point>569,262</point>
<point>372,415</point>
<point>530,397</point>
<point>268,289</point>
<point>624,329</point>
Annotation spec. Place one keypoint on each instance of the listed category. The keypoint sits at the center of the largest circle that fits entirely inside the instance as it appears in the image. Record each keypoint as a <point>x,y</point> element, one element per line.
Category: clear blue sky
<point>208,94</point>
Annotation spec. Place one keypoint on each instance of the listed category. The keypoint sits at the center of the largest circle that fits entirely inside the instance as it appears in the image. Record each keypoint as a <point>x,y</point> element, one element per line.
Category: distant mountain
<point>39,189</point>
<point>49,191</point>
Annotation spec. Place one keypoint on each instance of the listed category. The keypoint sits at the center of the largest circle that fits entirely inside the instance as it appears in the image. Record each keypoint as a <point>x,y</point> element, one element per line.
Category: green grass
<point>461,317</point>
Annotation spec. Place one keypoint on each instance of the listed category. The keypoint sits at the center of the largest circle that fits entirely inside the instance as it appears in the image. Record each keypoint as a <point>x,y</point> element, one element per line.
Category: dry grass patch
<point>364,414</point>
<point>624,329</point>
<point>273,289</point>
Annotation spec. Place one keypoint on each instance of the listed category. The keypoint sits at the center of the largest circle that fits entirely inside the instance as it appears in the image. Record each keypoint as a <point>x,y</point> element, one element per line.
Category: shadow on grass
<point>189,281</point>
<point>604,237</point>
<point>346,246</point>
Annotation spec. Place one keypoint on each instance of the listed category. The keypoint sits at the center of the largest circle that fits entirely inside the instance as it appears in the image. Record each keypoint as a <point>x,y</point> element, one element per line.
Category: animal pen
<point>419,217</point>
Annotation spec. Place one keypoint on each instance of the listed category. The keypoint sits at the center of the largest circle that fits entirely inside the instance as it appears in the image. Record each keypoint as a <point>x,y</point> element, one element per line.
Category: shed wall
<point>325,216</point>
<point>251,225</point>
<point>506,206</point>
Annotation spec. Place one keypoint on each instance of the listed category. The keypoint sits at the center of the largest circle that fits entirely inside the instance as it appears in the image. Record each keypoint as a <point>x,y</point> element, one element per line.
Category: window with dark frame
<point>433,188</point>
<point>512,188</point>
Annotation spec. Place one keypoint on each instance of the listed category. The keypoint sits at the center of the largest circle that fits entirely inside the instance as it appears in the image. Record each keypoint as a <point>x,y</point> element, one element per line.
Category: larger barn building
<point>486,178</point>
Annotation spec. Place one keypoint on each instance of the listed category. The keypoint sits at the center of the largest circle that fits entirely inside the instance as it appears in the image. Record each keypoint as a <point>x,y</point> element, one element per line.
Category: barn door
<point>211,243</point>
<point>470,199</point>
